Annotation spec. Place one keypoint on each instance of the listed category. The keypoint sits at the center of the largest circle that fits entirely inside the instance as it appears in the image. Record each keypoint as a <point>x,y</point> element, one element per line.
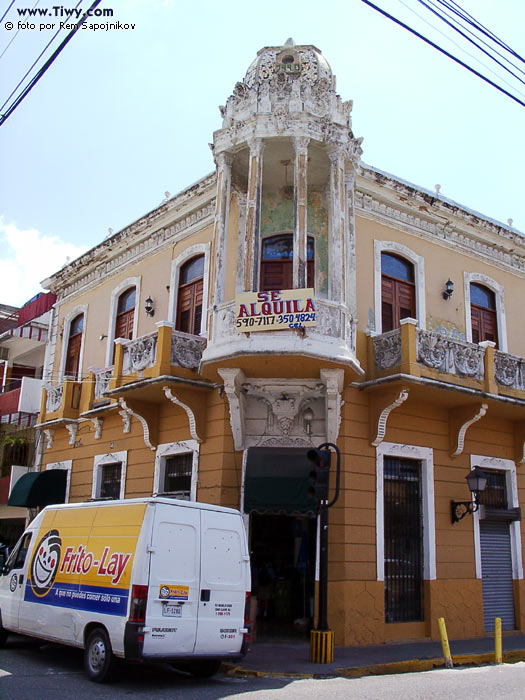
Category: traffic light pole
<point>322,638</point>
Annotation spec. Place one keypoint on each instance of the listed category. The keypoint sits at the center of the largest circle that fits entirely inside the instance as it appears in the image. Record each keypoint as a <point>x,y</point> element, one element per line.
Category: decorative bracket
<point>333,380</point>
<point>72,429</point>
<point>49,438</point>
<point>126,410</point>
<point>126,419</point>
<point>97,423</point>
<point>233,380</point>
<point>460,420</point>
<point>189,411</point>
<point>381,409</point>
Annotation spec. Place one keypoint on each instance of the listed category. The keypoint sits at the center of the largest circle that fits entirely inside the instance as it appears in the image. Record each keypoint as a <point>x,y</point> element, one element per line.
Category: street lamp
<point>477,483</point>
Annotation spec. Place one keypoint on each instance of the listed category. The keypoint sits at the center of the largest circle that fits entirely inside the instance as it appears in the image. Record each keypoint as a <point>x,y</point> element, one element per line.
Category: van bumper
<point>133,641</point>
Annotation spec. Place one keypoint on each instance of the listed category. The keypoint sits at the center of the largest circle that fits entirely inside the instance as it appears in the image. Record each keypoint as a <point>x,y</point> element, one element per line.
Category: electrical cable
<point>461,48</point>
<point>443,19</point>
<point>443,51</point>
<point>472,33</point>
<point>34,63</point>
<point>5,13</point>
<point>16,34</point>
<point>480,27</point>
<point>46,66</point>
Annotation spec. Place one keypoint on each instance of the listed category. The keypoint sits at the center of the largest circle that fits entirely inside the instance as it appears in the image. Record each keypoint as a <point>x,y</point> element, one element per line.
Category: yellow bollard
<point>321,647</point>
<point>444,642</point>
<point>498,651</point>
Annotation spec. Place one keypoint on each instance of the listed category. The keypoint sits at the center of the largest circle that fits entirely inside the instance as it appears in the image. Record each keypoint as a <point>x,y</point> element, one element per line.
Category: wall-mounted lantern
<point>449,289</point>
<point>477,482</point>
<point>149,307</point>
<point>308,416</point>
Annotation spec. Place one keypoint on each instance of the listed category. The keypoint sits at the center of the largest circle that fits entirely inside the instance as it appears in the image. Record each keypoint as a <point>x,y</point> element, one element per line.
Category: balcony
<point>411,351</point>
<point>138,364</point>
<point>10,398</point>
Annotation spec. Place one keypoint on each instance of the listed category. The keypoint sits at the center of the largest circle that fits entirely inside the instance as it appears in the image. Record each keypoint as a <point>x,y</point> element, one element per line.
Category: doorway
<point>283,551</point>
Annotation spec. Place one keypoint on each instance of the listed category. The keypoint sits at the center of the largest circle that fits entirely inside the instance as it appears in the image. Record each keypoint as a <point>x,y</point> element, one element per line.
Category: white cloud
<point>27,257</point>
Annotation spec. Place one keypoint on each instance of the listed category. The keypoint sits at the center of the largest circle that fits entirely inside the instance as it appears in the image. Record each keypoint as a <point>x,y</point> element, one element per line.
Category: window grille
<point>177,475</point>
<point>403,535</point>
<point>495,493</point>
<point>110,480</point>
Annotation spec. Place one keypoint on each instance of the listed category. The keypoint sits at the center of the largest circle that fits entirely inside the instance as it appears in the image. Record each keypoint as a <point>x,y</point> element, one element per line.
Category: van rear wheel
<point>99,662</point>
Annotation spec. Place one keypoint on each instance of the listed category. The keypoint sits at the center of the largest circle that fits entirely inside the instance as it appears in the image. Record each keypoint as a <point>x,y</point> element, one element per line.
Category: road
<point>29,669</point>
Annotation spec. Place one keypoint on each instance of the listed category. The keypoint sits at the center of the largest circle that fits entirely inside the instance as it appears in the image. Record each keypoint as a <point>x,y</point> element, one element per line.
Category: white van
<point>146,578</point>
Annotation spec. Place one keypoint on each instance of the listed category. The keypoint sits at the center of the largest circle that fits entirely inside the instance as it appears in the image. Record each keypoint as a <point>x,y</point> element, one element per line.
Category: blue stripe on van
<point>111,601</point>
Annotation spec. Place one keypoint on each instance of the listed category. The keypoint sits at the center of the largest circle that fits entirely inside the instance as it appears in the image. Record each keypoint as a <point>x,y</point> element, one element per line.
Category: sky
<point>125,115</point>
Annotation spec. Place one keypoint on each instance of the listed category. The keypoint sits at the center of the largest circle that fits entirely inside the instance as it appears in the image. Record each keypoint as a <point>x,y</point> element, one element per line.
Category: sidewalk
<point>291,658</point>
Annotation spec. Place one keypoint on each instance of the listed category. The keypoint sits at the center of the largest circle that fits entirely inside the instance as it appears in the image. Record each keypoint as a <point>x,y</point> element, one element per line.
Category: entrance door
<point>283,573</point>
<point>496,563</point>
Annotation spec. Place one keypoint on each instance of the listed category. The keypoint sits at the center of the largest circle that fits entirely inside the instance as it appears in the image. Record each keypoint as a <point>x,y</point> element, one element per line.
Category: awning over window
<point>277,481</point>
<point>38,489</point>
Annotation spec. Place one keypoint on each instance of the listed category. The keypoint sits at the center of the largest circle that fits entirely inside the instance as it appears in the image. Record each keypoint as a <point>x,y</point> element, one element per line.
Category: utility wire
<point>34,63</point>
<point>461,48</point>
<point>5,13</point>
<point>487,53</point>
<point>479,38</point>
<point>441,50</point>
<point>45,67</point>
<point>16,33</point>
<point>480,27</point>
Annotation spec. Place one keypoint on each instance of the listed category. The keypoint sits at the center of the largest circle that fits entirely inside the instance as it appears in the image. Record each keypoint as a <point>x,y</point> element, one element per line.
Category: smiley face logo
<point>44,564</point>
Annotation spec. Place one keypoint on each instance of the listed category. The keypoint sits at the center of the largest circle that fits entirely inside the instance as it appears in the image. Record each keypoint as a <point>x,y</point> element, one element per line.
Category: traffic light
<point>320,474</point>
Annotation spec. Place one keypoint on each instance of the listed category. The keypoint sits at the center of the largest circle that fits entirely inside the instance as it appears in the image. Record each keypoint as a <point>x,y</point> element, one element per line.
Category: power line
<point>16,33</point>
<point>34,63</point>
<point>456,29</point>
<point>5,13</point>
<point>443,51</point>
<point>46,66</point>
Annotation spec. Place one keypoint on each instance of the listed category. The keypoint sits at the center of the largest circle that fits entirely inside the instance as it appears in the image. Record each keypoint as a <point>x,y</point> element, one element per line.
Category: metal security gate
<point>496,562</point>
<point>403,540</point>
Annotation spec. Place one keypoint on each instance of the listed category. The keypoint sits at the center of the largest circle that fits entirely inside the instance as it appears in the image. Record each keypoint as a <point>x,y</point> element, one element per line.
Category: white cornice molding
<point>371,206</point>
<point>193,210</point>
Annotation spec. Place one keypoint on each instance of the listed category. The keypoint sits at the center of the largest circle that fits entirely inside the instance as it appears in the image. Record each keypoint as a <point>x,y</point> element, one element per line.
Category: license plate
<point>172,611</point>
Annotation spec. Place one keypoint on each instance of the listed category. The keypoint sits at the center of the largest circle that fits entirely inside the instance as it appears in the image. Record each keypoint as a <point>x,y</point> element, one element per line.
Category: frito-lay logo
<point>81,562</point>
<point>44,564</point>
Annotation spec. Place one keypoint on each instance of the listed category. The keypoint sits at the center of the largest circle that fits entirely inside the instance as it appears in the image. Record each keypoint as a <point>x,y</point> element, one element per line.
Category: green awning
<point>277,481</point>
<point>38,489</point>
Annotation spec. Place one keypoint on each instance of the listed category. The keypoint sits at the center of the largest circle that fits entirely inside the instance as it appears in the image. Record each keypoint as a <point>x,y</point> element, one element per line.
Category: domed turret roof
<point>306,63</point>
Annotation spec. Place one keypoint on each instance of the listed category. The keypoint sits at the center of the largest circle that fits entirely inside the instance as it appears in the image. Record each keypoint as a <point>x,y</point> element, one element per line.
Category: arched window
<point>189,297</point>
<point>483,314</point>
<point>398,297</point>
<point>74,346</point>
<point>277,262</point>
<point>125,314</point>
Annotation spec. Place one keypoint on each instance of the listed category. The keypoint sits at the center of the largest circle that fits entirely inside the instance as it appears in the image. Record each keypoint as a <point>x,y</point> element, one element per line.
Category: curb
<point>410,666</point>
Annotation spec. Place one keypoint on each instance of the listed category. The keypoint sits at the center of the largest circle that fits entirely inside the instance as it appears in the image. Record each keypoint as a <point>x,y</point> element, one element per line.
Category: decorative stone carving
<point>102,379</point>
<point>383,416</point>
<point>186,350</point>
<point>97,423</point>
<point>126,419</point>
<point>450,356</point>
<point>460,420</point>
<point>509,370</point>
<point>128,412</point>
<point>54,398</point>
<point>387,349</point>
<point>49,438</point>
<point>140,354</point>
<point>72,429</point>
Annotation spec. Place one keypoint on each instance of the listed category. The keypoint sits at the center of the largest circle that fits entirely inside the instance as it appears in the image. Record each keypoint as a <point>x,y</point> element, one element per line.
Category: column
<point>222,212</point>
<point>336,242</point>
<point>241,252</point>
<point>300,255</point>
<point>350,271</point>
<point>253,216</point>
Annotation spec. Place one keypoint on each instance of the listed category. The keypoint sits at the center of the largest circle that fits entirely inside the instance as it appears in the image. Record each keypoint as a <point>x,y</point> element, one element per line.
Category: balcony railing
<point>409,350</point>
<point>102,379</point>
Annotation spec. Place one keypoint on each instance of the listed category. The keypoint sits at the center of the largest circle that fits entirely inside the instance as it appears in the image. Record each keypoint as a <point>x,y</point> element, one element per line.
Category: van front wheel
<point>99,661</point>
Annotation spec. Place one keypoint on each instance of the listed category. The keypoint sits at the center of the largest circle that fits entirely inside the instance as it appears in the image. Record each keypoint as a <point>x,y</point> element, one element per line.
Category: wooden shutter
<point>484,324</point>
<point>387,304</point>
<point>189,307</point>
<point>398,301</point>
<point>124,325</point>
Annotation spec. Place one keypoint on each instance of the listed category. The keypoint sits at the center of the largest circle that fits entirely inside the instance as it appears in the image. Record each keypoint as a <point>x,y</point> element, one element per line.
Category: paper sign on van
<point>168,592</point>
